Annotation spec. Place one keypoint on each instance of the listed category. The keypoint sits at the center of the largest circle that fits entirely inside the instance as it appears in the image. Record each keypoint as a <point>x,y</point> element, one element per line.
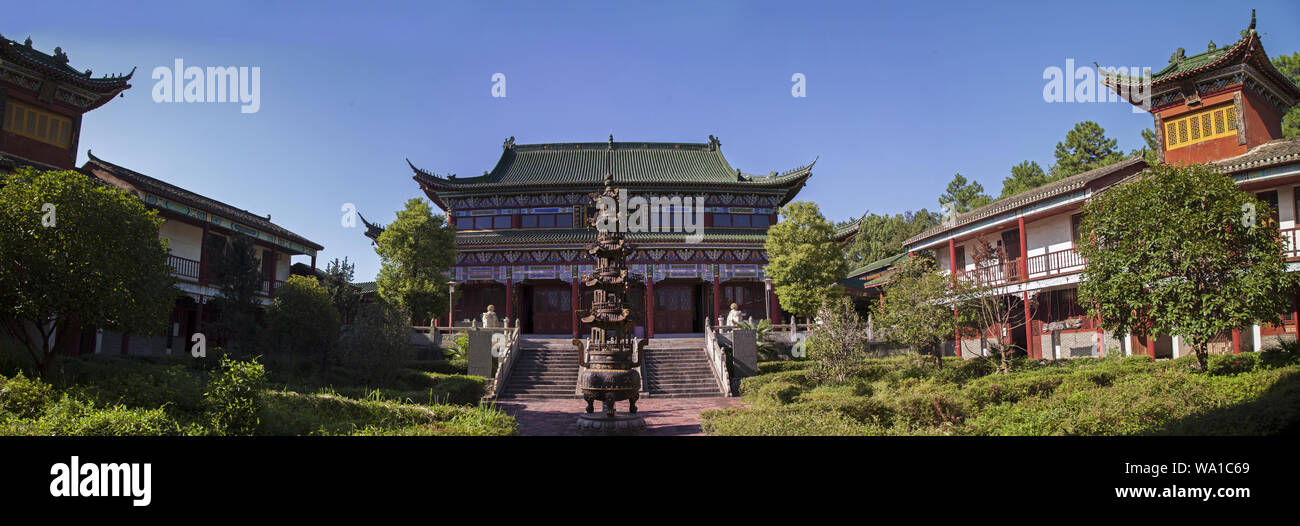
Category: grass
<point>118,396</point>
<point>1251,394</point>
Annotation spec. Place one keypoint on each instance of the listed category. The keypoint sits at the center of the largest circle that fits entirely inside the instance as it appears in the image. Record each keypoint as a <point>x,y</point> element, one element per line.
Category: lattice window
<point>1201,126</point>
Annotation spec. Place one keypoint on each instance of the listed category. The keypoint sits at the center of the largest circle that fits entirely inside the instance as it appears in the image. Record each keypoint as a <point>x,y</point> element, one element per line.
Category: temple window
<point>27,121</point>
<point>1201,126</point>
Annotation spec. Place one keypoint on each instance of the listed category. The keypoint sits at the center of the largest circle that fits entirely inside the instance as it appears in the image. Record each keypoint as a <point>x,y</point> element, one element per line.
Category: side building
<point>42,104</point>
<point>521,232</point>
<point>1224,108</point>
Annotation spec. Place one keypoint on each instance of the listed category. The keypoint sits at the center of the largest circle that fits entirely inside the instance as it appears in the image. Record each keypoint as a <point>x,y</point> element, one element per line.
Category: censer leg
<point>589,405</point>
<point>608,405</point>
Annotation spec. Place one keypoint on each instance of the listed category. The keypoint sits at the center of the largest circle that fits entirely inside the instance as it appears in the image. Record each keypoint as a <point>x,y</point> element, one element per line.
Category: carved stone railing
<point>506,360</point>
<point>717,357</point>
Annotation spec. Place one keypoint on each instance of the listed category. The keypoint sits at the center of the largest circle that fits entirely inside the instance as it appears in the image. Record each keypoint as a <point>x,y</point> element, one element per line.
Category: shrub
<point>21,397</point>
<point>999,389</point>
<point>778,422</point>
<point>1286,352</point>
<point>234,397</point>
<point>290,413</point>
<point>452,366</point>
<point>1228,364</point>
<point>376,347</point>
<point>790,365</point>
<point>72,417</point>
<point>445,388</point>
<point>175,384</point>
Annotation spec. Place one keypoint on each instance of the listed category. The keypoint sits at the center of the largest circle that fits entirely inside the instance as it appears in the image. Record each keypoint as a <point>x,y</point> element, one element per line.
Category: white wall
<point>184,240</point>
<point>1049,234</point>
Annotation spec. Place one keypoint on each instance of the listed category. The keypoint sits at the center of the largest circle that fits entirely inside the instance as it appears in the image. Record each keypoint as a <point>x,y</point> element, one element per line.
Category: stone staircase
<point>679,368</point>
<point>546,368</point>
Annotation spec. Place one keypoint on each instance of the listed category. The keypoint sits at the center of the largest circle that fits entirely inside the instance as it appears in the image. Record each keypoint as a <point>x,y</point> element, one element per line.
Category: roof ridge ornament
<point>714,143</point>
<point>509,144</point>
<point>28,42</point>
<point>611,141</point>
<point>59,55</point>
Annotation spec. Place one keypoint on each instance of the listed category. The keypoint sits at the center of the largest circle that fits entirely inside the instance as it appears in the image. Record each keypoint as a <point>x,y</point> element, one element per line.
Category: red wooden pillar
<point>952,268</point>
<point>1236,341</point>
<point>1024,251</point>
<point>510,297</point>
<point>275,267</point>
<point>575,296</point>
<point>313,263</point>
<point>650,307</point>
<point>198,316</point>
<point>203,255</point>
<point>1033,350</point>
<point>717,299</point>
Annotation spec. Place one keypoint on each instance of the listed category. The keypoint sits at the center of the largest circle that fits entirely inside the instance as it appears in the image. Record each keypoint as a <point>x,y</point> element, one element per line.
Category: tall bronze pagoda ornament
<point>610,357</point>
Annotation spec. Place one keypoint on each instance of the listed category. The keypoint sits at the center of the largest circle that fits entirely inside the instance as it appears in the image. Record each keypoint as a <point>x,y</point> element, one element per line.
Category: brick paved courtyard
<point>663,416</point>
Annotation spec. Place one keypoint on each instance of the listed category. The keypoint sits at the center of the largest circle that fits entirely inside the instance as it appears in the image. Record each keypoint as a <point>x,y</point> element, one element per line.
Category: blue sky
<point>900,96</point>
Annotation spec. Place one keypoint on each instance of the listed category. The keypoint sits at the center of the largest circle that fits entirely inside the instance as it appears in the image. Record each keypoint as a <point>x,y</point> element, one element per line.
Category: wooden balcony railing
<point>999,273</point>
<point>183,267</point>
<point>1066,261</point>
<point>1289,246</point>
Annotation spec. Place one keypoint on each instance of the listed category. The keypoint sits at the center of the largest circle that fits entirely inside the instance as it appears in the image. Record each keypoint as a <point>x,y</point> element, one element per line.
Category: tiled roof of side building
<point>579,235</point>
<point>1073,182</point>
<point>878,265</point>
<point>1272,153</point>
<point>631,163</point>
<point>10,162</point>
<point>189,198</point>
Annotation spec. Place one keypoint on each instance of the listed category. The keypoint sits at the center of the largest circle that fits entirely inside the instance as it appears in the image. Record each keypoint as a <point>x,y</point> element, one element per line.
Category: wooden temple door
<point>551,310</point>
<point>675,307</point>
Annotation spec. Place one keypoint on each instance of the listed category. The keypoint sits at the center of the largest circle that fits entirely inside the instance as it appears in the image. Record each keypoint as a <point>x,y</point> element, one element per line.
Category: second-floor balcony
<point>190,271</point>
<point>1057,263</point>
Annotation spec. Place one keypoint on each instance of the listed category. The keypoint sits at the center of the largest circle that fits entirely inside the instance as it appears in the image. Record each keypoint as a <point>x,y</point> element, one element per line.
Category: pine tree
<point>1085,147</point>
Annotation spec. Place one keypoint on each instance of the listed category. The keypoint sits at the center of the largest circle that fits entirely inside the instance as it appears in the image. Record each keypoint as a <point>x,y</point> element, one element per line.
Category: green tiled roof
<point>584,236</point>
<point>55,67</point>
<point>878,264</point>
<point>366,286</point>
<point>1247,50</point>
<point>631,163</point>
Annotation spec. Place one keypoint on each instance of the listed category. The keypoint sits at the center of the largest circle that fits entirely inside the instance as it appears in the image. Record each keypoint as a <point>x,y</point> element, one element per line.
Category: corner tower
<point>1217,104</point>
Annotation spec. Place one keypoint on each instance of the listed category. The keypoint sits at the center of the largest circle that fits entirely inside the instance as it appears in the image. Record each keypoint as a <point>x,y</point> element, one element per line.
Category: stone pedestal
<point>744,353</point>
<point>597,424</point>
<point>480,353</point>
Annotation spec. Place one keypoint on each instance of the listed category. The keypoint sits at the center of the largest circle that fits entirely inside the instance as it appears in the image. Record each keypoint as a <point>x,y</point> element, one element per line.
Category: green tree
<point>338,282</point>
<point>1086,146</point>
<point>1151,154</point>
<point>302,320</point>
<point>916,311</point>
<point>963,196</point>
<point>75,254</point>
<point>1182,251</point>
<point>839,342</point>
<point>1025,176</point>
<point>237,274</point>
<point>881,236</point>
<point>377,345</point>
<point>415,253</point>
<point>1289,65</point>
<point>803,259</point>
